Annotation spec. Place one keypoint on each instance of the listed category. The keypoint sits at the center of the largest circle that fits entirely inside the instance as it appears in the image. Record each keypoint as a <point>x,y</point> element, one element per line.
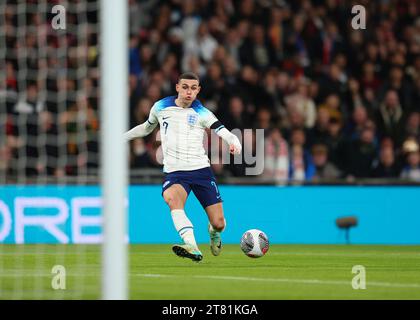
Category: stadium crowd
<point>334,102</point>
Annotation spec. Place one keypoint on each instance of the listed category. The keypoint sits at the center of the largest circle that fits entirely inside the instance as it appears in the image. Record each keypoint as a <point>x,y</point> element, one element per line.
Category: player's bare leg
<point>217,224</point>
<point>175,196</point>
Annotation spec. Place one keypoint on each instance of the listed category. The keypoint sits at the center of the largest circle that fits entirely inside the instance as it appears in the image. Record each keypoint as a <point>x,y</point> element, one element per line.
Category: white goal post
<point>114,104</point>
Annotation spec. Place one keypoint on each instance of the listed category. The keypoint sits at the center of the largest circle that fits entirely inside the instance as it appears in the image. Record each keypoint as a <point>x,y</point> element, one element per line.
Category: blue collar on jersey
<point>196,105</point>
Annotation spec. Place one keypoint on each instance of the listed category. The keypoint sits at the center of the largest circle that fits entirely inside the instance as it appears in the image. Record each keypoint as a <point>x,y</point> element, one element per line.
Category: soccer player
<point>183,120</point>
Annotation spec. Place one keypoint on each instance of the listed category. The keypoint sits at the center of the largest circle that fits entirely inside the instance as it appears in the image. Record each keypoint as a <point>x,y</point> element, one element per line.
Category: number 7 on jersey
<point>165,125</point>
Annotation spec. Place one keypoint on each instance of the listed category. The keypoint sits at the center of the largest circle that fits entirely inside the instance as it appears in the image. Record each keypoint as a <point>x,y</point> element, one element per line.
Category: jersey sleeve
<point>153,116</point>
<point>209,120</point>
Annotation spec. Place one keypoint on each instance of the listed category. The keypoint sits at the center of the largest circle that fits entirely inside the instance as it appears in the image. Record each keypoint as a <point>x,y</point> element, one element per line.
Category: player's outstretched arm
<point>145,128</point>
<point>210,121</point>
<point>235,146</point>
<point>140,131</point>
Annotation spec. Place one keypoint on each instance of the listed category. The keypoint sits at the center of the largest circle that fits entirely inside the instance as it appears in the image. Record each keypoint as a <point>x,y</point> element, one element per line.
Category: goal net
<point>50,201</point>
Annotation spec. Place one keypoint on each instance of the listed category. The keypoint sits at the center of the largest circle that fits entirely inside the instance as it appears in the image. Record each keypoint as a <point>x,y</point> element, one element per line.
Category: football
<point>254,243</point>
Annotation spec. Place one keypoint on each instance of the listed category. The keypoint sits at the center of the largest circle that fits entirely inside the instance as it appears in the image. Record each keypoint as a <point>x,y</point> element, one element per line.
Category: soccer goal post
<point>114,102</point>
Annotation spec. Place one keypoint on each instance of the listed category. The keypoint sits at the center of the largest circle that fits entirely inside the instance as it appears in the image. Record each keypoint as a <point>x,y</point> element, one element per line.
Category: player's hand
<point>235,149</point>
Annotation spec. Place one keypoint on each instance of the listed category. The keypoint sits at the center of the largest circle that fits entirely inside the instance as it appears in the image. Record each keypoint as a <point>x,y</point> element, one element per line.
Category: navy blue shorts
<point>202,182</point>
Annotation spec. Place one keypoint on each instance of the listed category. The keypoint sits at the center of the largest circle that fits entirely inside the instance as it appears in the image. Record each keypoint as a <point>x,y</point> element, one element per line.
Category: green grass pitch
<point>286,272</point>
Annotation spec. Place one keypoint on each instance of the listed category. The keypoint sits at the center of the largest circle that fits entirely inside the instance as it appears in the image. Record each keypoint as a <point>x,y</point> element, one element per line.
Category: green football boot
<point>215,241</point>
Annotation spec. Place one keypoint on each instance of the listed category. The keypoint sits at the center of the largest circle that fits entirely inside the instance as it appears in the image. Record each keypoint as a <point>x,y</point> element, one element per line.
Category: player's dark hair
<point>189,76</point>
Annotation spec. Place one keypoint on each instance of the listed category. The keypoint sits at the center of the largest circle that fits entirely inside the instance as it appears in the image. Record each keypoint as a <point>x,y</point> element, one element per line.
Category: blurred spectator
<point>319,133</point>
<point>264,120</point>
<point>324,170</point>
<point>230,66</point>
<point>369,78</point>
<point>390,118</point>
<point>257,51</point>
<point>358,121</point>
<point>271,97</point>
<point>141,112</point>
<point>235,38</point>
<point>140,156</point>
<point>402,87</point>
<point>146,155</point>
<point>333,105</point>
<point>81,123</point>
<point>189,21</point>
<point>11,80</point>
<point>31,102</point>
<point>332,82</point>
<point>354,96</point>
<point>412,169</point>
<point>250,90</point>
<point>386,167</point>
<point>328,44</point>
<point>295,45</point>
<point>276,31</point>
<point>301,167</point>
<point>134,57</point>
<point>31,121</point>
<point>213,84</point>
<point>276,159</point>
<point>140,13</point>
<point>336,143</point>
<point>360,153</point>
<point>5,158</point>
<point>300,102</point>
<point>236,115</point>
<point>193,64</point>
<point>203,43</point>
<point>412,126</point>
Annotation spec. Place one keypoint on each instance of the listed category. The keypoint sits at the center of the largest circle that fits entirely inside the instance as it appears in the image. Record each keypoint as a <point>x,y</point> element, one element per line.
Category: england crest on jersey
<point>192,119</point>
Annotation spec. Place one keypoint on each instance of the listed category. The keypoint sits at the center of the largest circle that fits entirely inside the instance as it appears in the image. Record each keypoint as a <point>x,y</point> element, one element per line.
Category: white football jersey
<point>182,132</point>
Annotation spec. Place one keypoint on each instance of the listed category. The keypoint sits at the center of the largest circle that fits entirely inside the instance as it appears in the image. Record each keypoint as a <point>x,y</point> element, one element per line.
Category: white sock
<point>212,229</point>
<point>183,226</point>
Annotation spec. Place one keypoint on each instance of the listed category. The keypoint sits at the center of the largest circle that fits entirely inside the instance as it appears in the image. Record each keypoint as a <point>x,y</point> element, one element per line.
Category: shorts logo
<point>217,189</point>
<point>166,183</point>
<point>192,119</point>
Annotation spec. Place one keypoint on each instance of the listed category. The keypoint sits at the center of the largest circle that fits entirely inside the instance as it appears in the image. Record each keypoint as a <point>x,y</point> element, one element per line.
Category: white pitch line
<point>411,255</point>
<point>349,254</point>
<point>286,280</point>
<point>234,278</point>
<point>333,254</point>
